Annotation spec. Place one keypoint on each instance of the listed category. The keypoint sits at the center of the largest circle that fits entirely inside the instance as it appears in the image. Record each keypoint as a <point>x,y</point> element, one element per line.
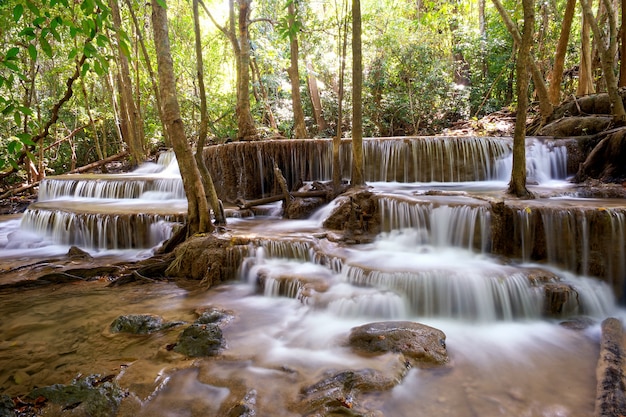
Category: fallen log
<point>611,381</point>
<point>243,204</point>
<point>99,163</point>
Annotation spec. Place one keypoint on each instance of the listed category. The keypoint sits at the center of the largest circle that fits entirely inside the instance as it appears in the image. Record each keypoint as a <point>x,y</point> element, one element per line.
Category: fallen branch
<point>99,163</point>
<point>243,204</point>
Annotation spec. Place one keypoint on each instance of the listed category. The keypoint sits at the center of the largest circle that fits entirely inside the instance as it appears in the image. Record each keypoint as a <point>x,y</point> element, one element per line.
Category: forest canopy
<point>78,79</point>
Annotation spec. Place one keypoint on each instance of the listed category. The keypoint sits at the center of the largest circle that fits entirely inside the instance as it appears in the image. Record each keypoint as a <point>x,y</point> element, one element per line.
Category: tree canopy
<point>78,79</point>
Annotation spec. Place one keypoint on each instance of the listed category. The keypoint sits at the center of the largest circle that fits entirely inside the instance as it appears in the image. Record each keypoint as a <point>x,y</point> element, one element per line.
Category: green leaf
<point>102,41</point>
<point>124,47</point>
<point>98,68</point>
<point>12,53</point>
<point>89,50</point>
<point>25,110</point>
<point>14,164</point>
<point>162,3</point>
<point>8,109</point>
<point>56,22</point>
<point>26,139</point>
<point>84,69</point>
<point>33,9</point>
<point>32,51</point>
<point>30,156</point>
<point>72,54</point>
<point>10,65</point>
<point>2,163</point>
<point>88,6</point>
<point>39,21</point>
<point>14,146</point>
<point>28,32</point>
<point>45,46</point>
<point>18,11</point>
<point>17,118</point>
<point>55,34</point>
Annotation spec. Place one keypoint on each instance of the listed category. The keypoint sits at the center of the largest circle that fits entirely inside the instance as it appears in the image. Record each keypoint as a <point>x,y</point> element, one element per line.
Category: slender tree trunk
<point>342,24</point>
<point>134,124</point>
<point>207,180</point>
<point>299,127</point>
<point>561,49</point>
<point>316,101</point>
<point>482,23</point>
<point>247,129</point>
<point>357,178</point>
<point>607,49</point>
<point>153,77</point>
<point>622,64</point>
<point>545,105</point>
<point>517,186</point>
<point>198,216</point>
<point>585,73</point>
<point>265,99</point>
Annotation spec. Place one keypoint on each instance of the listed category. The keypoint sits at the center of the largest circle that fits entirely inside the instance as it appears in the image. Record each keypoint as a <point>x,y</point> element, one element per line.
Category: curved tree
<point>198,216</point>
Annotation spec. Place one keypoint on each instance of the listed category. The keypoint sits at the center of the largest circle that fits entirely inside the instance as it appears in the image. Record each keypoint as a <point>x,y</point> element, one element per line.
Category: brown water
<point>276,346</point>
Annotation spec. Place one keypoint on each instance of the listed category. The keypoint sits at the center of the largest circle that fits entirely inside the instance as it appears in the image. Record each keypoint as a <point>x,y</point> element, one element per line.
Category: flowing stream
<point>298,293</point>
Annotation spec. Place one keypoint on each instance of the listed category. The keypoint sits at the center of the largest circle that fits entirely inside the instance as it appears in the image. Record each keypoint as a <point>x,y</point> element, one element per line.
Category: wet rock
<point>356,213</point>
<point>301,208</point>
<point>77,253</point>
<point>6,406</point>
<point>200,340</point>
<point>208,258</point>
<point>338,393</point>
<point>560,299</point>
<point>214,316</point>
<point>92,396</point>
<point>246,407</point>
<point>140,324</point>
<point>420,344</point>
<point>578,323</point>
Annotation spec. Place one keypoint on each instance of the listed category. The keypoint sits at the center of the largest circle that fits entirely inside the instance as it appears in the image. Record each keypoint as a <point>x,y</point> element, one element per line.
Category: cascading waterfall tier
<point>102,211</point>
<point>101,225</point>
<point>245,170</point>
<point>398,276</point>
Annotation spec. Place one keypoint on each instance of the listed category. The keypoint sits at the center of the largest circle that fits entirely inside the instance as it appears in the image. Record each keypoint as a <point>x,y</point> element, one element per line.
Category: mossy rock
<point>140,324</point>
<point>200,340</point>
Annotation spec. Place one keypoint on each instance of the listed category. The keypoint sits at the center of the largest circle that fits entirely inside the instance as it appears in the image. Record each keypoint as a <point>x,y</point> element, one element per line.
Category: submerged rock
<point>420,344</point>
<point>140,324</point>
<point>200,340</point>
<point>6,406</point>
<point>92,396</point>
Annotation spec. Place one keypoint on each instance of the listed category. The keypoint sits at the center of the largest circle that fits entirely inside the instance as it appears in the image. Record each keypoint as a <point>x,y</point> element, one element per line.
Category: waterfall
<point>441,225</point>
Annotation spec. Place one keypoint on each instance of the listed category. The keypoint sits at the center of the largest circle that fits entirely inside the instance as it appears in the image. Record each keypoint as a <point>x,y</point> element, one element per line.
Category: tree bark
<point>198,217</point>
<point>357,178</point>
<point>207,180</point>
<point>134,123</point>
<point>299,127</point>
<point>622,64</point>
<point>585,73</point>
<point>607,53</point>
<point>245,122</point>
<point>517,186</point>
<point>153,78</point>
<point>554,90</point>
<point>316,102</point>
<point>342,23</point>
<point>545,105</point>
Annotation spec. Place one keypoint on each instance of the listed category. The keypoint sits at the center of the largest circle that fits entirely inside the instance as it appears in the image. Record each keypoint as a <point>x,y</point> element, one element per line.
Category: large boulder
<point>140,324</point>
<point>420,344</point>
<point>200,340</point>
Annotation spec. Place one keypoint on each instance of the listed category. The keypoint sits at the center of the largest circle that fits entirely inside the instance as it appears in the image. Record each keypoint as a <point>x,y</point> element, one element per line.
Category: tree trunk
<point>357,178</point>
<point>545,105</point>
<point>622,64</point>
<point>559,60</point>
<point>245,122</point>
<point>343,47</point>
<point>153,81</point>
<point>299,127</point>
<point>134,123</point>
<point>198,217</point>
<point>256,73</point>
<point>585,72</point>
<point>316,102</point>
<point>207,180</point>
<point>607,53</point>
<point>517,186</point>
